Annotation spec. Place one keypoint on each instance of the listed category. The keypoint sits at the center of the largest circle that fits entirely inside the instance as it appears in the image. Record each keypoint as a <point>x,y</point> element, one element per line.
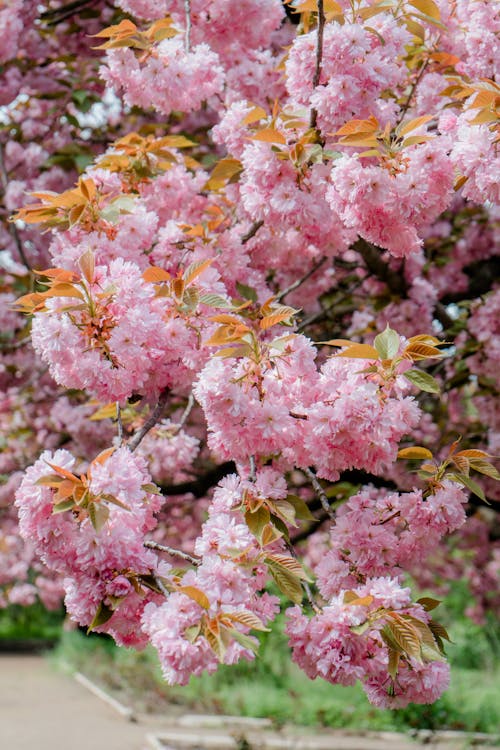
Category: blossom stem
<point>320,492</point>
<point>252,231</point>
<point>252,477</point>
<point>119,423</point>
<point>319,58</point>
<point>187,39</point>
<point>155,416</point>
<point>150,544</point>
<point>303,278</point>
<point>4,179</point>
<point>186,412</point>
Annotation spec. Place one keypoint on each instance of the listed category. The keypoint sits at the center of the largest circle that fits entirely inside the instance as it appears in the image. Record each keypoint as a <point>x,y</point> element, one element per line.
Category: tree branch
<point>319,58</point>
<point>378,267</point>
<point>320,492</point>
<point>173,551</point>
<point>200,486</point>
<point>187,12</point>
<point>303,278</point>
<point>252,231</point>
<point>4,178</point>
<point>155,416</point>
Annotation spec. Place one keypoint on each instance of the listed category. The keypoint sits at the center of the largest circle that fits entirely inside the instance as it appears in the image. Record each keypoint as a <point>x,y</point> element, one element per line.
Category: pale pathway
<point>42,709</point>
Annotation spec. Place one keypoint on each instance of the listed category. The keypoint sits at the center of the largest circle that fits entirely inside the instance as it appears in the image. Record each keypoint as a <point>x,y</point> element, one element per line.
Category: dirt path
<point>42,709</point>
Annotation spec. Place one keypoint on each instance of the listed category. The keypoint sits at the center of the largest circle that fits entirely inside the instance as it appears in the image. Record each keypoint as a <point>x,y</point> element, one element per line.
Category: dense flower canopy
<point>247,255</point>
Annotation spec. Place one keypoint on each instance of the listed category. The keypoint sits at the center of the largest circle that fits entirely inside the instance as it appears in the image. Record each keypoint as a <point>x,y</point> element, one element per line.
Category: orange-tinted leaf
<point>196,595</point>
<point>155,275</point>
<point>270,135</point>
<point>415,451</point>
<point>360,351</point>
<point>255,114</point>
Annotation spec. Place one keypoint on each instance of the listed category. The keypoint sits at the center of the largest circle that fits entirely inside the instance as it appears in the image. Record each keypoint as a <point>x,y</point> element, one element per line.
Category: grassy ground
<point>273,687</point>
<point>32,623</point>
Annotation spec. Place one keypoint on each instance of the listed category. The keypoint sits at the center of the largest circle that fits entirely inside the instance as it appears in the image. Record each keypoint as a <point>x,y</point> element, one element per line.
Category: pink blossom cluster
<point>287,407</point>
<point>99,567</point>
<point>231,577</point>
<point>376,536</point>
<point>121,339</point>
<point>358,65</point>
<point>171,79</point>
<point>390,209</point>
<point>476,157</point>
<point>12,26</point>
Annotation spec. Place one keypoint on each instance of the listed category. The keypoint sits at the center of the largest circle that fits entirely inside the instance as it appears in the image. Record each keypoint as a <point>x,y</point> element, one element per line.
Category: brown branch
<point>303,278</point>
<point>319,59</point>
<point>200,486</point>
<point>4,178</point>
<point>172,551</point>
<point>155,416</point>
<point>372,257</point>
<point>187,12</point>
<point>320,492</point>
<point>252,231</point>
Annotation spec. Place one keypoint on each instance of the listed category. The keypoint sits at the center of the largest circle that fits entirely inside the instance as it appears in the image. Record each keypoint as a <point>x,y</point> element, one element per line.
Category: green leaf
<point>471,485</point>
<point>285,511</point>
<point>215,300</point>
<point>287,583</point>
<point>63,506</point>
<point>394,657</point>
<point>406,636</point>
<point>247,292</point>
<point>484,467</point>
<point>192,633</point>
<point>301,509</point>
<point>257,521</point>
<point>102,615</point>
<point>428,603</point>
<point>98,514</point>
<point>152,489</point>
<point>247,641</point>
<point>422,380</point>
<point>387,343</point>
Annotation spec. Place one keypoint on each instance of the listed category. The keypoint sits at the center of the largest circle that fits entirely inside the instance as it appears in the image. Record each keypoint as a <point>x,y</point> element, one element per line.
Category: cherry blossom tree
<point>247,274</point>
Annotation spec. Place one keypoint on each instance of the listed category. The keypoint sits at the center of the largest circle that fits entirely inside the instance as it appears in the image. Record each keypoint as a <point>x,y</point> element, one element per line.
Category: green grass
<point>273,687</point>
<point>18,623</point>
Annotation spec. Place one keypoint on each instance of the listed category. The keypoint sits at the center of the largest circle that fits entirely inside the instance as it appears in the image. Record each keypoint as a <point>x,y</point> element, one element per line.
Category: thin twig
<point>325,503</point>
<point>119,423</point>
<point>321,313</point>
<point>305,585</point>
<point>252,477</point>
<point>406,105</point>
<point>252,231</point>
<point>202,484</point>
<point>173,551</point>
<point>187,38</point>
<point>162,587</point>
<point>58,15</point>
<point>4,177</point>
<point>300,281</point>
<point>319,59</point>
<point>155,416</point>
<point>186,412</point>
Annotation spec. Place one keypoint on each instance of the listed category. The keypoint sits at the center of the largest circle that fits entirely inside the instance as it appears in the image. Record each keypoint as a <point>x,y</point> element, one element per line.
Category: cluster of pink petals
<point>390,209</point>
<point>358,64</point>
<point>96,565</point>
<point>231,577</point>
<point>171,79</point>
<point>296,407</point>
<point>376,536</point>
